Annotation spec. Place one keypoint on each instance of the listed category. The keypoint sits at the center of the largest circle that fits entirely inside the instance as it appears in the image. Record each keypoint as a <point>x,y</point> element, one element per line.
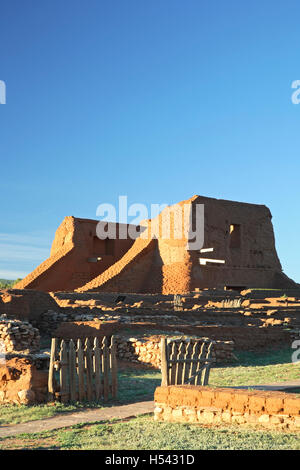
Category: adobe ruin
<point>238,252</point>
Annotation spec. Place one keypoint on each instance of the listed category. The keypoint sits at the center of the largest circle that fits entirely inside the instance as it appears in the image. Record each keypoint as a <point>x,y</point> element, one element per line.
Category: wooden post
<point>72,371</point>
<point>193,362</point>
<point>179,365</point>
<point>64,393</point>
<point>80,369</point>
<point>114,371</point>
<point>164,362</point>
<point>51,376</point>
<point>89,370</point>
<point>208,364</point>
<point>97,369</point>
<point>172,356</point>
<point>105,369</point>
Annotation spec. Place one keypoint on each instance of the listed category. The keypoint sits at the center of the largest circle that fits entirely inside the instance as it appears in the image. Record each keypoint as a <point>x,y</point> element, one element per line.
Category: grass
<point>134,385</point>
<point>256,369</point>
<point>143,433</point>
<point>139,384</point>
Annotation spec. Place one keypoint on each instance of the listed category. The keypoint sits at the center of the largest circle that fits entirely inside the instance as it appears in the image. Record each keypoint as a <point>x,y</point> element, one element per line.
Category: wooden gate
<point>186,362</point>
<point>83,371</point>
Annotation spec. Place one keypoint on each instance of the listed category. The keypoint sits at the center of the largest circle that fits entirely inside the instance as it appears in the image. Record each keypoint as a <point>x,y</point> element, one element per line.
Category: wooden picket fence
<point>186,362</point>
<point>83,370</point>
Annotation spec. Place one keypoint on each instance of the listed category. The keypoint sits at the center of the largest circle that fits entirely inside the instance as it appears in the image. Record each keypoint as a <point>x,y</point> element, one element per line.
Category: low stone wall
<point>148,350</point>
<point>22,383</point>
<point>17,335</point>
<point>205,405</point>
<point>51,320</point>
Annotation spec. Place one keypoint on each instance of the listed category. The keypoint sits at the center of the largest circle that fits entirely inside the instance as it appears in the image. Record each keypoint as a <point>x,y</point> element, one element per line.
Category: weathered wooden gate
<point>83,371</point>
<point>186,362</point>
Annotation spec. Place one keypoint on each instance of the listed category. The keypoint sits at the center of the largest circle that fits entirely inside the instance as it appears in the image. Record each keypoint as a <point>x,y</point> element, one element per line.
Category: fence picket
<point>113,368</point>
<point>97,369</point>
<point>173,354</point>
<point>179,365</point>
<point>51,378</point>
<point>72,372</point>
<point>88,370</point>
<point>64,393</point>
<point>208,364</point>
<point>80,371</point>
<point>105,369</point>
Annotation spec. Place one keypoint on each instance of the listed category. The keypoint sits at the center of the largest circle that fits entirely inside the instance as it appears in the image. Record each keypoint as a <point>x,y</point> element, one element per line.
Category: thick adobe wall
<point>205,405</point>
<point>241,234</point>
<point>154,264</point>
<point>129,273</point>
<point>26,304</point>
<point>77,256</point>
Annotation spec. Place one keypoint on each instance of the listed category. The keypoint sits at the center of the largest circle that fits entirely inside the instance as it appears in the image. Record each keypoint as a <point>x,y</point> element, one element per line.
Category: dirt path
<point>78,417</point>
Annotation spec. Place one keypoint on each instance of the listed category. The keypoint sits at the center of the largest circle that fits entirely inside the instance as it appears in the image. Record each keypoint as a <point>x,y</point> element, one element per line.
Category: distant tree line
<point>8,284</point>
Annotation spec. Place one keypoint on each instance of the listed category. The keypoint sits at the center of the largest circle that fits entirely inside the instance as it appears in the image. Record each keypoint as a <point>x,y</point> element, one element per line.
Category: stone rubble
<point>17,335</point>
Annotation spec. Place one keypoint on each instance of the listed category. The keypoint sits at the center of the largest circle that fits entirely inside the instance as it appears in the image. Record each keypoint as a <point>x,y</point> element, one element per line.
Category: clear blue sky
<point>158,100</point>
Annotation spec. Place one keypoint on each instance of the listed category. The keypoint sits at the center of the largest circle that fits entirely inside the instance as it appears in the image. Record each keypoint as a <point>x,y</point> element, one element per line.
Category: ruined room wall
<point>69,264</point>
<point>129,273</point>
<point>22,383</point>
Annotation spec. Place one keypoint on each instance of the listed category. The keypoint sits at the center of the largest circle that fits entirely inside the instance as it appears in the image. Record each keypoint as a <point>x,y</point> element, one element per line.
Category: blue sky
<point>157,100</point>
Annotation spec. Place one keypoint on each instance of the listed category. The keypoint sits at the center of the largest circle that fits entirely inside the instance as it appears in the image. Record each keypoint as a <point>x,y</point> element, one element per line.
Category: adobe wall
<point>73,257</point>
<point>250,255</point>
<point>250,259</point>
<point>25,304</point>
<point>22,383</point>
<point>215,406</point>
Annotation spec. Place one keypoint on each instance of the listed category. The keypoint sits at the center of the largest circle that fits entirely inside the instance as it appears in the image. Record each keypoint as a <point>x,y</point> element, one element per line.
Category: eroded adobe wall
<point>73,257</point>
<point>22,383</point>
<point>205,405</point>
<point>249,250</point>
<point>129,273</point>
<point>241,234</point>
<point>25,304</point>
<point>153,264</point>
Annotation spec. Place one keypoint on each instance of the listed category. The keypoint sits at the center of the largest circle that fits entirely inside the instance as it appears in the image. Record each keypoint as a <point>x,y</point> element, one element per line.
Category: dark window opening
<point>109,246</point>
<point>235,236</point>
<point>235,288</point>
<point>103,247</point>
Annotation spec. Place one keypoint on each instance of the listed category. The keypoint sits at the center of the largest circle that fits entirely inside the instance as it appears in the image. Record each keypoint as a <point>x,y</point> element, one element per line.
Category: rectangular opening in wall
<point>235,236</point>
<point>103,247</point>
<point>109,246</point>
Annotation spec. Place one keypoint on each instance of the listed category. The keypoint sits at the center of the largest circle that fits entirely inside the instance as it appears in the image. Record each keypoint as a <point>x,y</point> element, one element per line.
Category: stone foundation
<point>215,406</point>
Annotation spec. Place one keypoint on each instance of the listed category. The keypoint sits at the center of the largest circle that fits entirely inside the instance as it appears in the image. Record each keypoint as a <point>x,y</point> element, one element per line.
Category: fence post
<point>164,362</point>
<point>89,370</point>
<point>72,371</point>
<point>105,358</point>
<point>97,369</point>
<point>64,372</point>
<point>208,364</point>
<point>80,366</point>
<point>51,377</point>
<point>114,371</point>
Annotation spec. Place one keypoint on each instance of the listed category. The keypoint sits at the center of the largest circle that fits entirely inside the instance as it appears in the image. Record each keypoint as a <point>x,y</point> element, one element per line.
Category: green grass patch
<point>143,433</point>
<point>256,369</point>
